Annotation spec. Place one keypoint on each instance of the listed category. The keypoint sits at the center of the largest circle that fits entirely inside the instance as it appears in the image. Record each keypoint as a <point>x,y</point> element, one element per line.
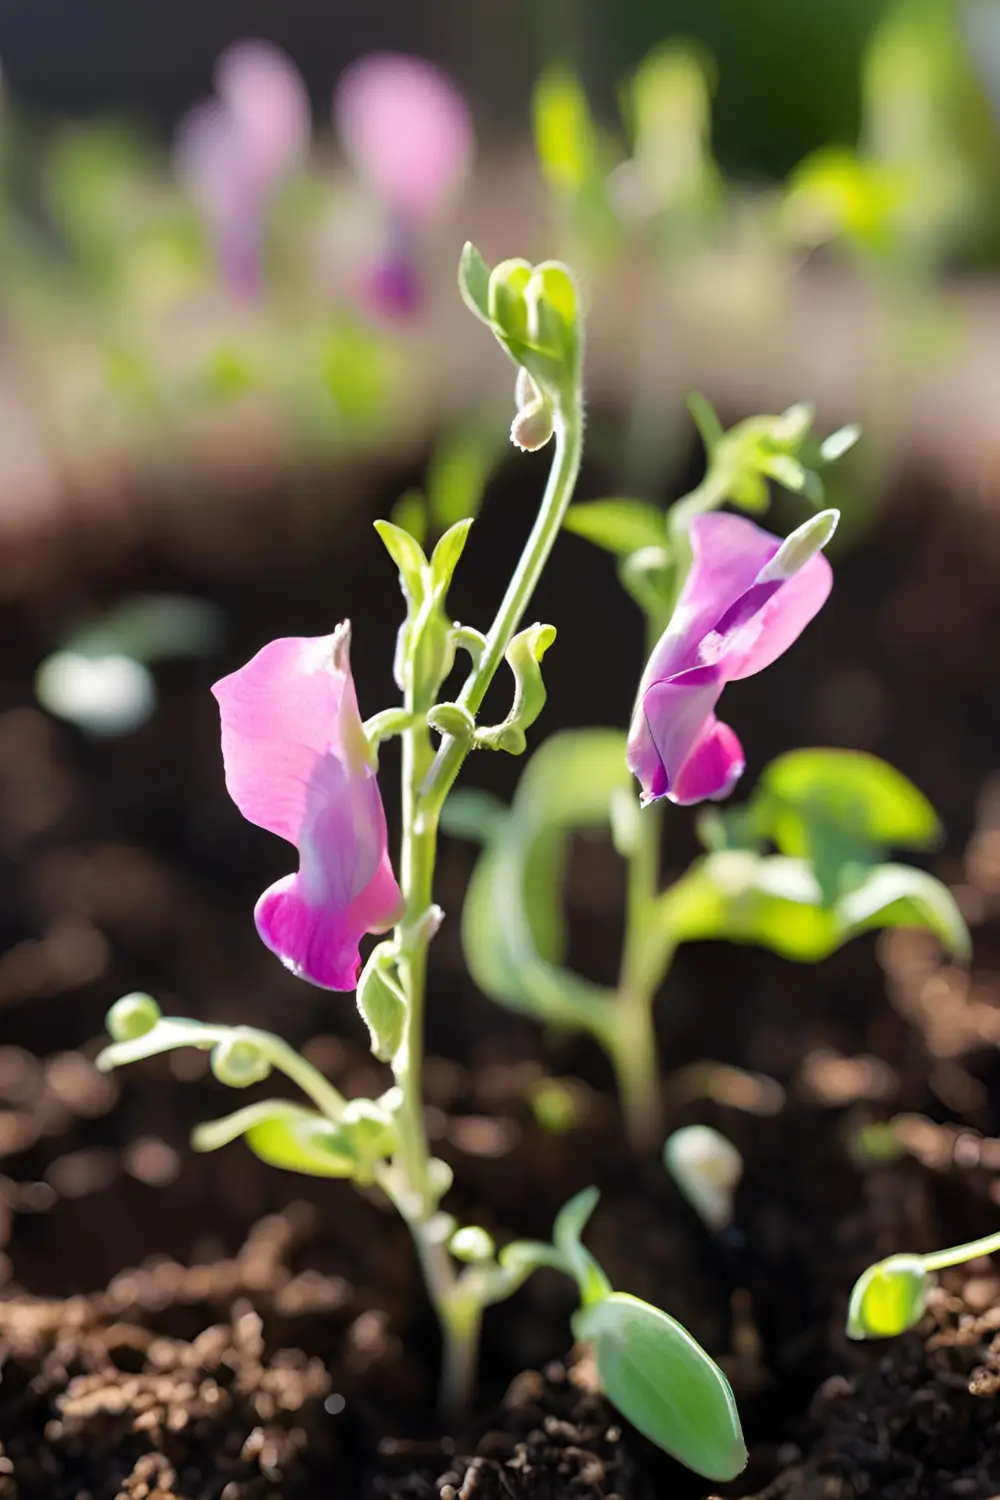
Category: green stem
<point>941,1259</point>
<point>427,780</point>
<point>309,1079</point>
<point>648,946</point>
<point>568,429</point>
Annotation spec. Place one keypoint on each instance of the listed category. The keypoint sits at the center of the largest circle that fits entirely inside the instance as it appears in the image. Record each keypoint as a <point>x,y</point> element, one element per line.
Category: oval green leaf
<point>665,1384</point>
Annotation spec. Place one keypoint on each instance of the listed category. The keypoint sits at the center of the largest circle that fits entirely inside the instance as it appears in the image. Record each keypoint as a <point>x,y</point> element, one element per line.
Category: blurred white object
<point>707,1168</point>
<point>103,695</point>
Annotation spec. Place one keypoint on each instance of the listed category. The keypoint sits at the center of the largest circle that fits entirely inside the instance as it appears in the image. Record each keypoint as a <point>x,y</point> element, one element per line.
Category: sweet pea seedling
<point>800,868</point>
<point>301,763</point>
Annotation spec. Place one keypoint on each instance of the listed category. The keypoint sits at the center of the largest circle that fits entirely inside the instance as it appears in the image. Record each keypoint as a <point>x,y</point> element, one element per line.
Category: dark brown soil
<point>268,1349</point>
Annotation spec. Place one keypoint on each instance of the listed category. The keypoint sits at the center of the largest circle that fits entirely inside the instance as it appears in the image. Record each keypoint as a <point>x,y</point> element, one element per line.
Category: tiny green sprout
<point>238,1062</point>
<point>132,1016</point>
<point>707,1168</point>
<point>554,1106</point>
<point>472,1244</point>
<point>888,1298</point>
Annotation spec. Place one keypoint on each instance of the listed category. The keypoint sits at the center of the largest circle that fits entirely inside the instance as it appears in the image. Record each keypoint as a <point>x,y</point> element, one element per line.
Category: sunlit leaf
<point>457,476</point>
<point>565,137</point>
<point>619,526</point>
<point>284,1135</point>
<point>777,903</point>
<point>513,923</point>
<point>665,1384</point>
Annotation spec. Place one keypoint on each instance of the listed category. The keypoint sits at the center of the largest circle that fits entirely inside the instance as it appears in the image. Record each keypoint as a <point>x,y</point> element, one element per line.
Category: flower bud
<point>888,1298</point>
<point>472,1244</point>
<point>797,549</point>
<point>238,1062</point>
<point>707,1168</point>
<point>132,1016</point>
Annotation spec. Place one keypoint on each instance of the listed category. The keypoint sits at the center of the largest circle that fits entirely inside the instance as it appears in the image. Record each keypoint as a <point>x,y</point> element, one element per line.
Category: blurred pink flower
<point>405,129</point>
<point>234,150</point>
<point>407,132</point>
<point>298,764</point>
<point>741,608</point>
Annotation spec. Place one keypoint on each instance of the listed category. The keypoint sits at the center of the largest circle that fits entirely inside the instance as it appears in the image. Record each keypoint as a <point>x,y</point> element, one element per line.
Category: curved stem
<point>427,780</point>
<point>941,1259</point>
<point>633,1036</point>
<point>309,1079</point>
<point>568,429</point>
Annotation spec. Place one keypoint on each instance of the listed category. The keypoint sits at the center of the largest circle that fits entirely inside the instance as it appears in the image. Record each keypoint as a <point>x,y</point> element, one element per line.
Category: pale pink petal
<point>713,767</point>
<point>263,92</point>
<point>781,620</point>
<point>405,129</point>
<point>297,763</point>
<point>733,618</point>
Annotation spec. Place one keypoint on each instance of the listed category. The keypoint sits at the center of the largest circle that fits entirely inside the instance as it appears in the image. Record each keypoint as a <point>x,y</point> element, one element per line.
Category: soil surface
<point>202,1327</point>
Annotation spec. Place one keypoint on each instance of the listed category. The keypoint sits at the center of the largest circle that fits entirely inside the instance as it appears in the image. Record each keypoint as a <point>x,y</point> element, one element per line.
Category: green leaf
<point>777,903</point>
<point>474,281</point>
<point>152,627</point>
<point>283,1135</point>
<point>888,1298</point>
<point>409,514</point>
<point>457,476</point>
<point>807,790</point>
<point>565,137</point>
<point>900,896</point>
<point>619,526</point>
<point>710,429</point>
<point>570,1223</point>
<point>473,814</point>
<point>512,924</point>
<point>665,1384</point>
<point>382,1003</point>
<point>445,557</point>
<point>523,656</point>
<point>408,555</point>
<point>839,442</point>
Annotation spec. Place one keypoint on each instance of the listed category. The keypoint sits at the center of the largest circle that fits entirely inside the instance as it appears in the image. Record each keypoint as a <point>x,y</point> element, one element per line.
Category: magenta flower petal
<point>712,768</point>
<point>263,92</point>
<point>405,128</point>
<point>298,764</point>
<point>739,611</point>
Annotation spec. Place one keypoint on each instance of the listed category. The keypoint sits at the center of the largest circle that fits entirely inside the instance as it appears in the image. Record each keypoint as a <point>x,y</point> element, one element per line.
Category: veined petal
<point>780,619</point>
<point>298,764</point>
<point>669,721</point>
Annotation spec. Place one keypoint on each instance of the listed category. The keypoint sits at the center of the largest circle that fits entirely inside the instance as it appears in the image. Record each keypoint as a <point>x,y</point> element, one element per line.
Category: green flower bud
<point>132,1016</point>
<point>238,1062</point>
<point>472,1244</point>
<point>888,1298</point>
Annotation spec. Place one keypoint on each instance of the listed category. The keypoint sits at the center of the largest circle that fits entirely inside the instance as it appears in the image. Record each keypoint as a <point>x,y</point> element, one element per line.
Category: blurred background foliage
<point>215,260</point>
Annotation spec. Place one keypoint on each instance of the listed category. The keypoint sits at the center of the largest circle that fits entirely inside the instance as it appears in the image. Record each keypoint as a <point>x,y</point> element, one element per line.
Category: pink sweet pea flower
<point>747,598</point>
<point>298,764</point>
<point>234,150</point>
<point>407,132</point>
